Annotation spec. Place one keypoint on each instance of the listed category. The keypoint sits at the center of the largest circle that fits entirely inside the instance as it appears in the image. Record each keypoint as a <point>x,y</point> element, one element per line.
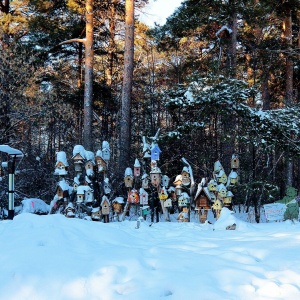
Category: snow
<point>54,257</point>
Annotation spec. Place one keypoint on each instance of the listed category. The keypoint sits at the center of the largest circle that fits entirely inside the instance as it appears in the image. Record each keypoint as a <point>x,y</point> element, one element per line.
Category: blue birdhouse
<point>155,152</point>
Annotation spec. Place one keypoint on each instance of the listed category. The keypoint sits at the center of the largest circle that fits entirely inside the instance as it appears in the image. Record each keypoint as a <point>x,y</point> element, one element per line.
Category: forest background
<point>220,77</point>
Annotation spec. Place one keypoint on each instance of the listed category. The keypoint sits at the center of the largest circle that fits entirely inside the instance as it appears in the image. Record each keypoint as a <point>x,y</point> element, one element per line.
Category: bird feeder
<point>137,168</point>
<point>133,197</point>
<point>155,176</point>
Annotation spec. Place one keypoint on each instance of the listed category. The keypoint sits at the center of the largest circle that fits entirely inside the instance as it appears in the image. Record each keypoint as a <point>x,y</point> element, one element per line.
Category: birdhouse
<point>155,152</point>
<point>235,162</point>
<point>101,163</point>
<point>183,216</point>
<point>78,166</point>
<point>145,181</point>
<point>178,180</point>
<point>153,164</point>
<point>183,199</point>
<point>143,197</point>
<point>202,198</point>
<point>70,211</point>
<point>96,214</point>
<point>222,191</point>
<point>89,168</point>
<point>168,203</point>
<point>106,187</point>
<point>228,199</point>
<point>133,197</point>
<point>212,186</point>
<point>163,195</point>
<point>146,210</point>
<point>233,177</point>
<point>222,177</point>
<point>78,158</point>
<point>185,175</point>
<point>165,180</point>
<point>117,205</point>
<point>89,196</point>
<point>105,206</point>
<point>155,176</point>
<point>217,205</point>
<point>178,190</point>
<point>218,167</point>
<point>128,179</point>
<point>137,168</point>
<point>81,193</point>
<point>105,151</point>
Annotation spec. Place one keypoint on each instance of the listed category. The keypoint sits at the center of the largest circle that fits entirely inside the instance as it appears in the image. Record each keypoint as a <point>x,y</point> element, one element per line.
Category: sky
<point>157,11</point>
<point>52,257</point>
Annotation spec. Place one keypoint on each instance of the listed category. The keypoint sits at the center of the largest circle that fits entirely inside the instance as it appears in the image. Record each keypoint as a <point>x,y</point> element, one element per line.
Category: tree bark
<point>125,122</point>
<point>88,85</point>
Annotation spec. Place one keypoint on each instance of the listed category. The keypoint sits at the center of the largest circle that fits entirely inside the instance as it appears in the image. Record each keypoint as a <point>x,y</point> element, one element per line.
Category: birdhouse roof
<point>61,157</point>
<point>234,156</point>
<point>155,147</point>
<point>99,155</point>
<point>221,187</point>
<point>104,199</point>
<point>145,176</point>
<point>76,180</point>
<point>185,169</point>
<point>229,194</point>
<point>81,189</point>
<point>105,146</point>
<point>137,163</point>
<point>204,190</point>
<point>221,173</point>
<point>218,166</point>
<point>79,149</point>
<point>233,174</point>
<point>119,200</point>
<point>64,185</point>
<point>60,172</point>
<point>155,170</point>
<point>128,172</point>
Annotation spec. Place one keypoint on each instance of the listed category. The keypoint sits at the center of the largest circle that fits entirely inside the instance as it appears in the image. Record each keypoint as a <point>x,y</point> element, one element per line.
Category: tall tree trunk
<point>231,54</point>
<point>288,37</point>
<point>88,86</point>
<point>125,122</point>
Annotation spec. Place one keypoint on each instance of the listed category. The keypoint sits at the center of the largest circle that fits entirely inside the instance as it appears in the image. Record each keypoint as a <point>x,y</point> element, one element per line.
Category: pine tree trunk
<point>88,87</point>
<point>125,122</point>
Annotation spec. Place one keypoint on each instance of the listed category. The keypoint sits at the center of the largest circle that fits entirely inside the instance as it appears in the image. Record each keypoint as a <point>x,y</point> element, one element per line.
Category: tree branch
<point>73,41</point>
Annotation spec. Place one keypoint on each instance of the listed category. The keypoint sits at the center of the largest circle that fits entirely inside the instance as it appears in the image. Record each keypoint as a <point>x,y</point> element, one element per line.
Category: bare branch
<point>72,41</point>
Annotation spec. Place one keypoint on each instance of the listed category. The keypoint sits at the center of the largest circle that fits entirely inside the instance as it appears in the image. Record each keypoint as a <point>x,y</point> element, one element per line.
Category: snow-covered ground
<point>53,257</point>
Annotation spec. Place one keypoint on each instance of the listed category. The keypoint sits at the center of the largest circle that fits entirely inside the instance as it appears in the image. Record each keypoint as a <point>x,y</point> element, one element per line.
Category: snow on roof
<point>233,174</point>
<point>137,163</point>
<point>82,188</point>
<point>61,156</point>
<point>128,172</point>
<point>229,194</point>
<point>145,176</point>
<point>76,180</point>
<point>105,146</point>
<point>64,185</point>
<point>185,169</point>
<point>104,198</point>
<point>11,151</point>
<point>79,149</point>
<point>221,187</point>
<point>60,172</point>
<point>89,155</point>
<point>99,153</point>
<point>119,200</point>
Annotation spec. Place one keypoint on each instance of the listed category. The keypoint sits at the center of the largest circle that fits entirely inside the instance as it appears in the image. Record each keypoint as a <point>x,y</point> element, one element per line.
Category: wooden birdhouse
<point>155,177</point>
<point>168,203</point>
<point>202,198</point>
<point>163,195</point>
<point>89,168</point>
<point>178,180</point>
<point>233,177</point>
<point>81,193</point>
<point>96,214</point>
<point>133,197</point>
<point>101,163</point>
<point>62,189</point>
<point>155,152</point>
<point>145,181</point>
<point>165,181</point>
<point>128,179</point>
<point>105,205</point>
<point>222,191</point>
<point>185,176</point>
<point>105,151</point>
<point>212,186</point>
<point>222,177</point>
<point>78,158</point>
<point>143,197</point>
<point>137,168</point>
<point>117,205</point>
<point>184,215</point>
<point>235,162</point>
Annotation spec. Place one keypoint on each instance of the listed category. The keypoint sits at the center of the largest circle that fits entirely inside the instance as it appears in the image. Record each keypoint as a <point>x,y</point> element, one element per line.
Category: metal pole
<point>11,188</point>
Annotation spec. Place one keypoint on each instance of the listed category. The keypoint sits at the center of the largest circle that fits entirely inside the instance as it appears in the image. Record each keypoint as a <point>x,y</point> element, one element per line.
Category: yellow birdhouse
<point>163,195</point>
<point>235,162</point>
<point>222,177</point>
<point>228,199</point>
<point>222,191</point>
<point>212,186</point>
<point>233,176</point>
<point>217,205</point>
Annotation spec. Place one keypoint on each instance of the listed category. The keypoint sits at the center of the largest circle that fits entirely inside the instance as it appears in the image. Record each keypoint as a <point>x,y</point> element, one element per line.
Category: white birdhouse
<point>168,203</point>
<point>106,187</point>
<point>143,197</point>
<point>137,168</point>
<point>145,181</point>
<point>128,179</point>
<point>105,151</point>
<point>155,176</point>
<point>178,180</point>
<point>165,180</point>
